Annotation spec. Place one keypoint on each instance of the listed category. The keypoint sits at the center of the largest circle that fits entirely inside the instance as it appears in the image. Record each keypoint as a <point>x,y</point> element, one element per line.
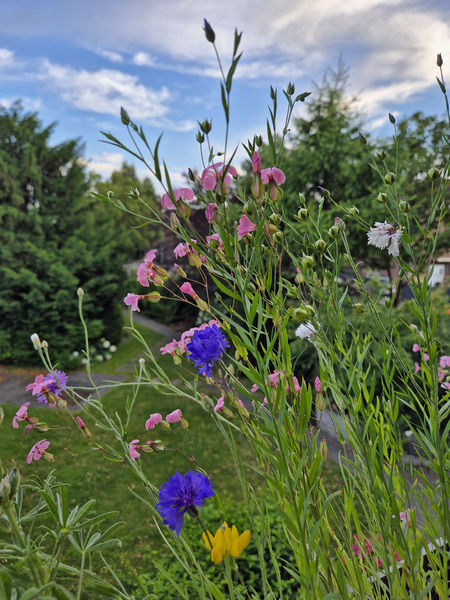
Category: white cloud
<point>114,57</point>
<point>105,163</point>
<point>33,104</point>
<point>6,58</point>
<point>144,59</point>
<point>105,91</point>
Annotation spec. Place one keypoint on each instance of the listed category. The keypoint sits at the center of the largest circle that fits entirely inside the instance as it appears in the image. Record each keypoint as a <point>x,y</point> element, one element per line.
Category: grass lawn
<point>90,474</point>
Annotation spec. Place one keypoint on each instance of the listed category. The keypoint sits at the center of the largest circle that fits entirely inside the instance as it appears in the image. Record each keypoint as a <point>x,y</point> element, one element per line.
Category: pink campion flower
<point>254,388</point>
<point>384,235</point>
<point>215,238</point>
<point>80,422</point>
<point>445,386</point>
<point>155,419</point>
<point>275,377</point>
<point>38,451</point>
<point>318,385</point>
<point>185,193</point>
<point>187,289</point>
<point>416,348</point>
<point>180,250</point>
<point>297,386</point>
<point>444,362</point>
<point>174,416</point>
<point>210,212</point>
<point>245,226</point>
<point>416,367</point>
<point>214,174</point>
<point>133,299</point>
<point>134,447</point>
<point>426,358</point>
<point>219,405</point>
<point>274,177</point>
<point>146,270</point>
<point>441,374</point>
<point>40,385</point>
<point>21,415</point>
<point>256,163</point>
<point>241,404</point>
<point>169,348</point>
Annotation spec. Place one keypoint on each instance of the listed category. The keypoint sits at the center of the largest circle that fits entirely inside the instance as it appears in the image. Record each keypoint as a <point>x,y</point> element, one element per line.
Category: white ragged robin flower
<point>384,235</point>
<point>305,331</point>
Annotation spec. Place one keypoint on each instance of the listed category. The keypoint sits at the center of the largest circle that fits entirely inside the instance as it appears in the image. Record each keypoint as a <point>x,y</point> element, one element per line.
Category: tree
<point>53,240</point>
<point>121,183</point>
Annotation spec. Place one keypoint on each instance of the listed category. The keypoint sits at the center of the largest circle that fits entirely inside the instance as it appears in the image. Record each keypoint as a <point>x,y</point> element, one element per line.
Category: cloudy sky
<point>78,61</point>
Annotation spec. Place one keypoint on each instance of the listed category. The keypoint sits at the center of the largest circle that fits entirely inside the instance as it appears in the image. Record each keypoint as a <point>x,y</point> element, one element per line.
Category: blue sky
<point>77,61</point>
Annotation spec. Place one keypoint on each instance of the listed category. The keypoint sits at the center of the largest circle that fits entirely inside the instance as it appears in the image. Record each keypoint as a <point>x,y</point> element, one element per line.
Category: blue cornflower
<point>182,494</point>
<point>207,346</point>
<point>56,384</point>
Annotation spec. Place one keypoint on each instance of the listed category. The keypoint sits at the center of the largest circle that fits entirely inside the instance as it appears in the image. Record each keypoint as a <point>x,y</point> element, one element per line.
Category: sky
<point>76,62</point>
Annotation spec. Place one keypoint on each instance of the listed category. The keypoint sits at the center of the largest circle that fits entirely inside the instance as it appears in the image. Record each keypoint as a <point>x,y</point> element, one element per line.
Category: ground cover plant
<point>238,368</point>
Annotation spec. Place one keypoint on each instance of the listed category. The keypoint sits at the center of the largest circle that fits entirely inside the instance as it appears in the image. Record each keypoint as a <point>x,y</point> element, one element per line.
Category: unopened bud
<point>404,206</point>
<point>358,308</point>
<point>307,261</point>
<point>184,424</point>
<point>80,292</point>
<point>5,490</point>
<point>201,304</point>
<point>320,402</point>
<point>205,126</point>
<point>390,178</point>
<point>291,291</point>
<point>382,154</point>
<point>36,341</point>
<point>13,480</point>
<point>154,297</point>
<point>165,425</point>
<point>382,198</point>
<point>200,137</point>
<point>439,60</point>
<point>209,32</point>
<point>303,214</point>
<point>124,116</point>
<point>323,449</point>
<point>333,232</point>
<point>44,344</point>
<point>174,222</point>
<point>278,237</point>
<point>275,219</point>
<point>353,211</point>
<point>248,210</point>
<point>320,246</point>
<point>325,193</point>
<point>273,93</point>
<point>290,90</point>
<point>433,173</point>
<point>392,119</point>
<point>362,139</point>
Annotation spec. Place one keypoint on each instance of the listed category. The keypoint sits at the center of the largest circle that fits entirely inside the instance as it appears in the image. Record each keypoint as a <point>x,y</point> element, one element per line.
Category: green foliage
<point>52,241</point>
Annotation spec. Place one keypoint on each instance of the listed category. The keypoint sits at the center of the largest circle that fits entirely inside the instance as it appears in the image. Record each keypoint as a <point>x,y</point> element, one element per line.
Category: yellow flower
<point>226,541</point>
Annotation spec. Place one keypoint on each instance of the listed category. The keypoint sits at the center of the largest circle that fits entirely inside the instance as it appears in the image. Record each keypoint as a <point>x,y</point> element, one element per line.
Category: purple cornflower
<point>55,384</point>
<point>206,346</point>
<point>182,494</point>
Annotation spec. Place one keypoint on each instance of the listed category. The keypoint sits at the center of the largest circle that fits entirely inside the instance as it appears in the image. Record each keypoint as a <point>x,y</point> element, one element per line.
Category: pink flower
<point>318,385</point>
<point>444,362</point>
<point>245,226</point>
<point>38,451</point>
<point>154,419</point>
<point>416,348</point>
<point>241,404</point>
<point>254,387</point>
<point>416,367</point>
<point>40,386</point>
<point>146,270</point>
<point>187,288</point>
<point>210,212</point>
<point>21,414</point>
<point>180,250</point>
<point>274,177</point>
<point>219,405</point>
<point>134,447</point>
<point>214,174</point>
<point>174,416</point>
<point>446,385</point>
<point>166,202</point>
<point>80,422</point>
<point>215,238</point>
<point>426,358</point>
<point>169,348</point>
<point>274,378</point>
<point>256,163</point>
<point>133,299</point>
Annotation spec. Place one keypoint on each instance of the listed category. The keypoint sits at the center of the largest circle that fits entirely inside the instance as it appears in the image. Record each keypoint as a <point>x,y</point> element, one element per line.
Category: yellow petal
<point>216,555</point>
<point>234,533</point>
<point>244,540</point>
<point>228,539</point>
<point>208,539</point>
<point>220,542</point>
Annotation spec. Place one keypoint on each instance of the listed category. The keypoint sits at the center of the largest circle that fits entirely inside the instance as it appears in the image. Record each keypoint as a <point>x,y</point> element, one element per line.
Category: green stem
<point>80,581</point>
<point>20,541</point>
<point>229,576</point>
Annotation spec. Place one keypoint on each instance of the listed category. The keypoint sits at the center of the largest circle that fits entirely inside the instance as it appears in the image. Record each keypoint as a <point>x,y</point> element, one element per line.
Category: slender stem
<point>80,581</point>
<point>229,576</point>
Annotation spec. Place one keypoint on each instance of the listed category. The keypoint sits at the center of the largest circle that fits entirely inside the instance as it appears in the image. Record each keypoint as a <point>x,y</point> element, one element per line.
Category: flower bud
<point>258,140</point>
<point>275,219</point>
<point>184,424</point>
<point>205,126</point>
<point>439,60</point>
<point>323,449</point>
<point>36,341</point>
<point>174,222</point>
<point>13,480</point>
<point>278,237</point>
<point>382,198</point>
<point>124,116</point>
<point>201,304</point>
<point>248,210</point>
<point>200,137</point>
<point>303,214</point>
<point>333,232</point>
<point>320,246</point>
<point>392,119</point>
<point>320,402</point>
<point>325,193</point>
<point>353,211</point>
<point>304,313</point>
<point>291,291</point>
<point>209,32</point>
<point>362,139</point>
<point>80,292</point>
<point>299,277</point>
<point>390,178</point>
<point>404,207</point>
<point>307,261</point>
<point>382,154</point>
<point>290,90</point>
<point>433,174</point>
<point>154,297</point>
<point>44,344</point>
<point>273,93</point>
<point>358,308</point>
<point>5,491</point>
